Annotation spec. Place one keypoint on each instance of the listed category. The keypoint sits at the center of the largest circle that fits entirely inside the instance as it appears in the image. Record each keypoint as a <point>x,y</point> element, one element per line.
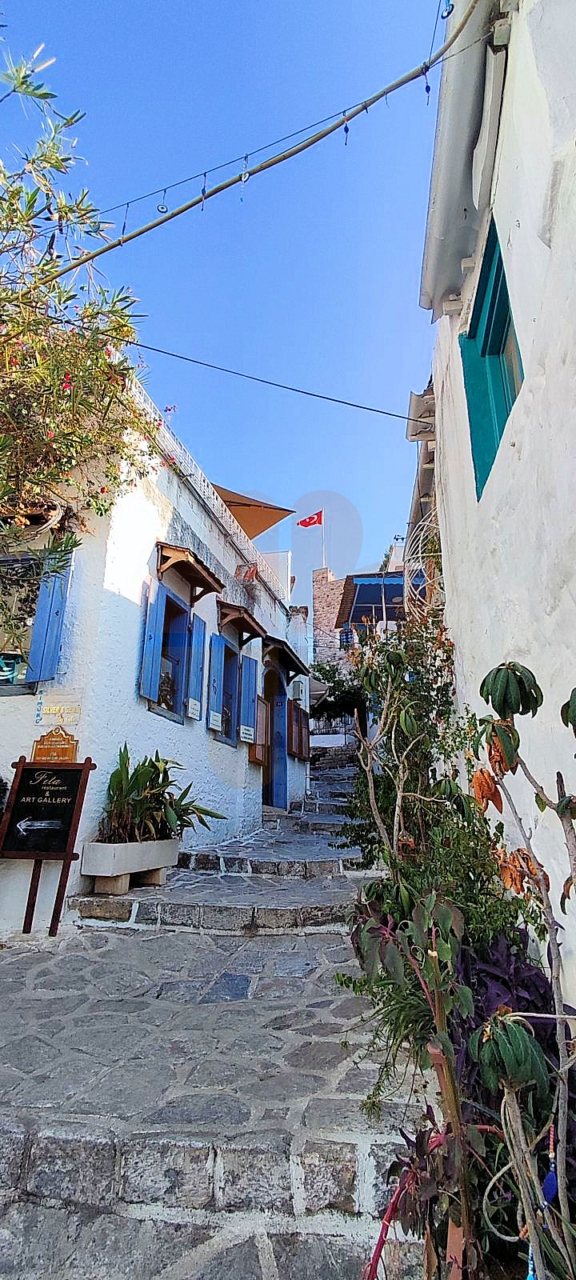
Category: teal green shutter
<point>46,638</point>
<point>216,682</point>
<point>152,654</point>
<point>482,435</point>
<point>196,676</point>
<point>249,678</point>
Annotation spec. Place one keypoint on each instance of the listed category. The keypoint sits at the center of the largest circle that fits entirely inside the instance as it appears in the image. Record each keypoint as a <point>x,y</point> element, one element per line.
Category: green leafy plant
<point>143,802</point>
<point>72,434</point>
<point>512,689</point>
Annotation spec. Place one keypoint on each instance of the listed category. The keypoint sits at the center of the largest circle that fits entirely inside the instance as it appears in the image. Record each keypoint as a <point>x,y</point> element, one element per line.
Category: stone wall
<point>327,594</point>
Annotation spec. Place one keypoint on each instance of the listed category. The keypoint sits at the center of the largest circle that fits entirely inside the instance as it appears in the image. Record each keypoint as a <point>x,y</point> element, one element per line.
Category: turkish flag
<point>317,518</point>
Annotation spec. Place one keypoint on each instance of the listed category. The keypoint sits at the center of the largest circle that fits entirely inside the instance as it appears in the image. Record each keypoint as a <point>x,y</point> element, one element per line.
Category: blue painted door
<point>275,775</point>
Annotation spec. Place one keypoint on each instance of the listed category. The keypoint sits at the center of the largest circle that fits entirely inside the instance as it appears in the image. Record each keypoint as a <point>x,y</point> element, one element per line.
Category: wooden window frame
<point>298,738</point>
<point>258,750</point>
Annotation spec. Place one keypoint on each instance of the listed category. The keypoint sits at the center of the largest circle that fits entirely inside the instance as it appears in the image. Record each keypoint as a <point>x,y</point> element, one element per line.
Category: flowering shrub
<point>71,433</point>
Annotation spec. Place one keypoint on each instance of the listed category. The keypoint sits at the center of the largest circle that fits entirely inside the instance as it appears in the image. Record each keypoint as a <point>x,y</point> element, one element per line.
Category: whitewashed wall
<point>100,667</point>
<point>510,559</point>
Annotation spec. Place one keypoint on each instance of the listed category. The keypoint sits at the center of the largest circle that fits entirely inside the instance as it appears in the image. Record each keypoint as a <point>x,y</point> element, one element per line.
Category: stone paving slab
<point>180,1097</point>
<point>277,852</point>
<point>189,1072</point>
<point>39,1242</point>
<point>229,902</point>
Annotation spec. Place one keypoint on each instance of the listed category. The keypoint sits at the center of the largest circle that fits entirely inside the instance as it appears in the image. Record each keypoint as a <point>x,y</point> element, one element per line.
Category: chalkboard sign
<point>41,821</point>
<point>43,810</point>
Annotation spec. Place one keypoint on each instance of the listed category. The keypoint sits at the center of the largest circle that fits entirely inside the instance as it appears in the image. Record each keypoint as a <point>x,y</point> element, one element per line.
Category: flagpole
<point>323,539</point>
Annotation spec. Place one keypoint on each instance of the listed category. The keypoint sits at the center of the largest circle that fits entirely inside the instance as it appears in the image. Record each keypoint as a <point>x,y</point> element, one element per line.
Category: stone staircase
<point>254,884</point>
<point>181,1077</point>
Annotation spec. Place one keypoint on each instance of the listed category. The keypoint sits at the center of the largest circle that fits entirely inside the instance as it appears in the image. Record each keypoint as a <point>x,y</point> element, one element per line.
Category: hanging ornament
<point>203,194</point>
<point>531,1265</point>
<point>346,131</point>
<point>163,207</point>
<point>550,1183</point>
<point>427,86</point>
<point>125,221</point>
<point>447,10</point>
<point>244,178</point>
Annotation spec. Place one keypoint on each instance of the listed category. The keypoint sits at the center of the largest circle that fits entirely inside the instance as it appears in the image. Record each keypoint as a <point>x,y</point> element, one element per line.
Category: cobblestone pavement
<point>194,1079</point>
<point>274,850</point>
<point>187,1105</point>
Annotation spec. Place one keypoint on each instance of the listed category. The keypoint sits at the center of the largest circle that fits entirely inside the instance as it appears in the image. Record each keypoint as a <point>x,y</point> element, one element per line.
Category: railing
<point>423,584</point>
<point>174,452</point>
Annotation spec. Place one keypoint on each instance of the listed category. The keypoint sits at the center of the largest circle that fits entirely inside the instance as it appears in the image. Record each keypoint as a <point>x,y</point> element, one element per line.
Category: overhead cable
<point>298,149</point>
<point>267,382</point>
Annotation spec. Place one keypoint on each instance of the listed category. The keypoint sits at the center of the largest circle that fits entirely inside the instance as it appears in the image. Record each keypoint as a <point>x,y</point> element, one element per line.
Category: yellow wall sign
<point>55,707</point>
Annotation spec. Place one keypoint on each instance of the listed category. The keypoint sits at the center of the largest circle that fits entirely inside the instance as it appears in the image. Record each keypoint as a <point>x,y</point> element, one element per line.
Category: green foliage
<point>568,712</point>
<point>512,690</point>
<point>508,1054</point>
<point>343,696</point>
<point>143,803</point>
<point>71,432</point>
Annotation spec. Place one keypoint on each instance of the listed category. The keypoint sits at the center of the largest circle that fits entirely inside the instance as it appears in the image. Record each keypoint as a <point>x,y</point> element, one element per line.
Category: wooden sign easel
<point>43,812</point>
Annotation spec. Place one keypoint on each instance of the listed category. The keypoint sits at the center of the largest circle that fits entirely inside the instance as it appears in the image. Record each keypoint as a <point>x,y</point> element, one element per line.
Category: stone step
<point>191,1105</point>
<point>329,822</point>
<point>244,904</point>
<point>272,862</point>
<point>100,1244</point>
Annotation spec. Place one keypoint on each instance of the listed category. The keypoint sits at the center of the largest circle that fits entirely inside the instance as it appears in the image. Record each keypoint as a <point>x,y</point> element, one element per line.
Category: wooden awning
<point>186,563</point>
<point>247,626</point>
<point>253,515</point>
<point>293,665</point>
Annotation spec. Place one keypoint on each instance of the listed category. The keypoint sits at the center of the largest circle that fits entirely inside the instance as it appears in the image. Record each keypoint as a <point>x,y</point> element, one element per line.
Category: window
<point>346,638</point>
<point>491,361</point>
<point>298,731</point>
<point>258,751</point>
<point>232,692</point>
<point>172,672</point>
<point>40,600</point>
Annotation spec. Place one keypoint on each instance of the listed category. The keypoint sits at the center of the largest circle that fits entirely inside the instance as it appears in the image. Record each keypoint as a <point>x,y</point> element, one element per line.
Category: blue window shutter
<point>248,699</point>
<point>196,676</point>
<point>46,639</point>
<point>216,682</point>
<point>152,653</point>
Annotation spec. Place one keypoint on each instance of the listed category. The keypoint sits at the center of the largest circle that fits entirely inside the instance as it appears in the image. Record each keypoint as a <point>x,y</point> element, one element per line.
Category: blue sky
<point>311,279</point>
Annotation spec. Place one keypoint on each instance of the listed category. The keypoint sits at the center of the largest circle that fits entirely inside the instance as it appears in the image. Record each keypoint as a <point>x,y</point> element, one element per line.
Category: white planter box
<point>128,859</point>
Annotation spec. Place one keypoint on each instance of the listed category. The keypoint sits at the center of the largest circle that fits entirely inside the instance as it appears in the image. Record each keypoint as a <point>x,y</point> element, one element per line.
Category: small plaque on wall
<point>215,721</point>
<point>246,733</point>
<point>194,709</point>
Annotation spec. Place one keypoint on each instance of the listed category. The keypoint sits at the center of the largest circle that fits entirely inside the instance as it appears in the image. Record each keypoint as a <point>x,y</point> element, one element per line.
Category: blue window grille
<point>491,362</point>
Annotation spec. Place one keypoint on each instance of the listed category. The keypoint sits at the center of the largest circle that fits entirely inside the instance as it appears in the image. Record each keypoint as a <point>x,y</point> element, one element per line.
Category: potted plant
<point>144,817</point>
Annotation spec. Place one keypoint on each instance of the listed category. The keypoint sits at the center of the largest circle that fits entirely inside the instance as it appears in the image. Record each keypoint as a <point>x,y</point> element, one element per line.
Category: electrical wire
<point>440,3</point>
<point>343,123</point>
<point>267,382</point>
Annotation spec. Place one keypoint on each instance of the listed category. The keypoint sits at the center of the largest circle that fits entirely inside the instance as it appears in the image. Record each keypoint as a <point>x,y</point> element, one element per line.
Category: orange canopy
<point>253,515</point>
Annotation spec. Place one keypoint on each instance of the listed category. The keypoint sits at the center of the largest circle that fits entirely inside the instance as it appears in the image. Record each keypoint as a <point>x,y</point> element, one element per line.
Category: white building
<point>499,276</point>
<point>170,632</point>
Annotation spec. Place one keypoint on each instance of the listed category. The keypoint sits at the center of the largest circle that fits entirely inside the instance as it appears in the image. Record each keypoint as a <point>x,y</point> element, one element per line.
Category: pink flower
<point>50,433</point>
